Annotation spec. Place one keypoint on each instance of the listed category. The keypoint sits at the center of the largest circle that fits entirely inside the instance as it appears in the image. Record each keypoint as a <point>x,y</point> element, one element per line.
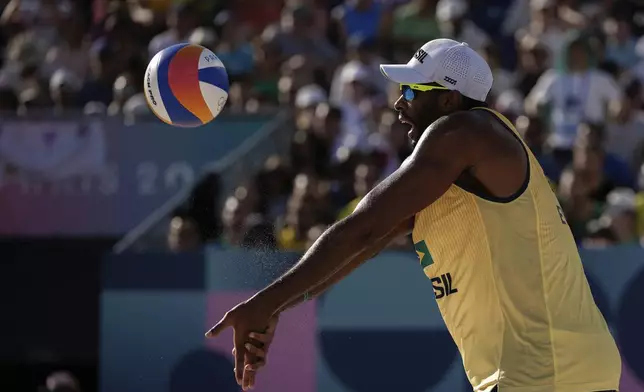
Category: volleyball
<point>186,85</point>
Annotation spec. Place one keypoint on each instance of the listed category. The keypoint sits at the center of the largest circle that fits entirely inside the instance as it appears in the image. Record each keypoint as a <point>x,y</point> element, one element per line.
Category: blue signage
<point>378,330</point>
<point>98,177</point>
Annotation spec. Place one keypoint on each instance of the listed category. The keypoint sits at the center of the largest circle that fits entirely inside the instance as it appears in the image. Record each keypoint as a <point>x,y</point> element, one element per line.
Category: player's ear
<point>449,101</point>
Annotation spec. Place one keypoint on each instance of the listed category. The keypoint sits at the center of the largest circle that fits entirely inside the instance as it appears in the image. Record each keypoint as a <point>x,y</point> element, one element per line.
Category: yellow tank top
<point>511,288</point>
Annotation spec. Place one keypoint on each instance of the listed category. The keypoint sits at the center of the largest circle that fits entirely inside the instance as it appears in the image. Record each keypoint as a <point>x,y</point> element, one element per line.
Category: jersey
<point>511,288</point>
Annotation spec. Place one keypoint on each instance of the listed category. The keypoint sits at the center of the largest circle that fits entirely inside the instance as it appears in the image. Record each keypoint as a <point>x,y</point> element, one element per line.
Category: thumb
<point>220,326</point>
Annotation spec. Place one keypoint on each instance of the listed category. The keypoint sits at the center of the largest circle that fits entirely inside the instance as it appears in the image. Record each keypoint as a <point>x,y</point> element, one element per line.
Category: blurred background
<point>122,239</point>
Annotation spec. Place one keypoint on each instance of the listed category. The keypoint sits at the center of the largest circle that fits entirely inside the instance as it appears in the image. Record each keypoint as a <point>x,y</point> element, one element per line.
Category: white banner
<point>53,150</point>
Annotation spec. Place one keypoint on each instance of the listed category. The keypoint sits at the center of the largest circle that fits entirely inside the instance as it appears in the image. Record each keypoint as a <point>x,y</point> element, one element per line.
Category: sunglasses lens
<point>408,93</point>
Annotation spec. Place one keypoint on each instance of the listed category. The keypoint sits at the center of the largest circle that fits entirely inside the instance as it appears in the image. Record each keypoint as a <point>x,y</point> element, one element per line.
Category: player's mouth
<point>405,120</point>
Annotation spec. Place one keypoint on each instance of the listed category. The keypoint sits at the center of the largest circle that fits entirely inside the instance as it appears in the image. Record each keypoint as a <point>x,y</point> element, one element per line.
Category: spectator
<point>509,103</point>
<point>503,79</point>
<point>574,92</point>
<point>306,100</point>
<point>184,234</point>
<point>104,68</point>
<point>620,216</point>
<point>394,135</point>
<point>301,152</point>
<point>357,108</point>
<point>533,60</point>
<point>42,17</point>
<point>545,27</point>
<point>625,130</point>
<point>534,134</point>
<point>21,73</point>
<point>122,35</point>
<point>233,219</point>
<point>599,235</point>
<point>620,43</point>
<point>342,191</point>
<point>578,206</point>
<point>296,34</point>
<point>324,133</point>
<point>366,177</point>
<point>64,87</point>
<point>361,53</point>
<point>182,20</point>
<point>366,18</point>
<point>592,137</point>
<point>260,234</point>
<point>414,24</point>
<point>301,216</point>
<point>454,24</point>
<point>204,36</point>
<point>273,185</point>
<point>266,75</point>
<point>135,109</point>
<point>256,15</point>
<point>123,90</point>
<point>234,48</point>
<point>72,51</point>
<point>297,72</point>
<point>203,204</point>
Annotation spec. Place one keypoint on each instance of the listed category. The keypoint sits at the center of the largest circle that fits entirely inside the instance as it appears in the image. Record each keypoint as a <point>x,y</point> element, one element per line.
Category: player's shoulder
<point>459,136</point>
<point>463,125</point>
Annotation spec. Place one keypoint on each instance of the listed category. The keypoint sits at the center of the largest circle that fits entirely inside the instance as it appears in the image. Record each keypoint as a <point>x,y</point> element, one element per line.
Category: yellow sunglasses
<point>408,90</point>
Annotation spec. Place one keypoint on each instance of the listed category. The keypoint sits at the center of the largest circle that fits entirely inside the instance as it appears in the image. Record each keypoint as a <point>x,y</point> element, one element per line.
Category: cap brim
<point>402,73</point>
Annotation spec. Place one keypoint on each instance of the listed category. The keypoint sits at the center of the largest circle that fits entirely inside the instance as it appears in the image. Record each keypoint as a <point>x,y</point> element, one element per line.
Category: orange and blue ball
<point>186,85</point>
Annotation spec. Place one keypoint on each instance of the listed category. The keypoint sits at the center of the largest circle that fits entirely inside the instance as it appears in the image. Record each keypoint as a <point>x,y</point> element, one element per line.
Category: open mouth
<point>405,120</point>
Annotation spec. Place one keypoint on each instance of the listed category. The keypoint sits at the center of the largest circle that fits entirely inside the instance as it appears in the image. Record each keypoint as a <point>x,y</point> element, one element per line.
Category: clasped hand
<point>253,331</point>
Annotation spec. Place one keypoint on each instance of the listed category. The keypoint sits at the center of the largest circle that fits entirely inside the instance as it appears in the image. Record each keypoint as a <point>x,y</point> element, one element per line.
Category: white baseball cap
<point>451,64</point>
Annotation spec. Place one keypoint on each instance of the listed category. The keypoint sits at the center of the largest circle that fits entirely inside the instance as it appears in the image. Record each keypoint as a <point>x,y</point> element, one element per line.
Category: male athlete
<point>489,233</point>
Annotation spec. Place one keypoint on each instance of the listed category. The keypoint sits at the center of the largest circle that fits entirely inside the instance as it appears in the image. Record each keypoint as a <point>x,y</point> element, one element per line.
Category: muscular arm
<point>445,150</point>
<point>359,259</point>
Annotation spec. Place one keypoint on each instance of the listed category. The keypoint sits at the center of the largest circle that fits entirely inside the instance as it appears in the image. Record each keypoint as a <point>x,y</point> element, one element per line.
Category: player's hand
<point>258,345</point>
<point>247,317</point>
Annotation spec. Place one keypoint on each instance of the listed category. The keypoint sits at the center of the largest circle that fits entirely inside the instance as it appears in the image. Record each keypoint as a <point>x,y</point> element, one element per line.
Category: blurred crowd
<point>569,73</point>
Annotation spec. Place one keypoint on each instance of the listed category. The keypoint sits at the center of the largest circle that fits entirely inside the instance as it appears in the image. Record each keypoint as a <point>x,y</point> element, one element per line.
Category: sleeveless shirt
<point>511,288</point>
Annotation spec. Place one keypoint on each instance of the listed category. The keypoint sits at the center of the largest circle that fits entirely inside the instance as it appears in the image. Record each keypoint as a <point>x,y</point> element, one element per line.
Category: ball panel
<point>209,59</point>
<point>216,76</point>
<point>178,114</point>
<point>215,97</point>
<point>151,88</point>
<point>183,79</point>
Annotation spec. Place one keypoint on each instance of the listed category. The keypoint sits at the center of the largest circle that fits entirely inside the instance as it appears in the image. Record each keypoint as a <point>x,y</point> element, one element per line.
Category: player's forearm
<point>330,253</point>
<point>356,262</point>
<point>296,292</point>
